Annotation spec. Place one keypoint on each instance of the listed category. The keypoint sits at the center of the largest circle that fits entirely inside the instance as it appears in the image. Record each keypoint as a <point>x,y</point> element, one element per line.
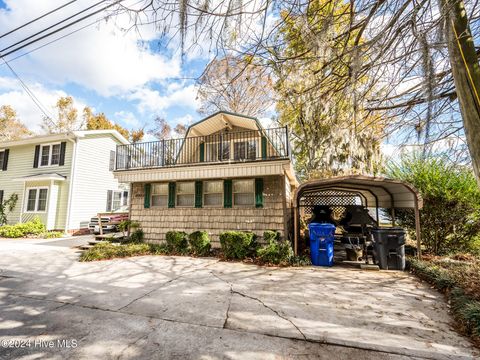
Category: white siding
<point>92,178</point>
<point>20,164</point>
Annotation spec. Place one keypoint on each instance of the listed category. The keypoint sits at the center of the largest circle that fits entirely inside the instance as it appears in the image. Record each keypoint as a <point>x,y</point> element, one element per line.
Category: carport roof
<point>387,193</point>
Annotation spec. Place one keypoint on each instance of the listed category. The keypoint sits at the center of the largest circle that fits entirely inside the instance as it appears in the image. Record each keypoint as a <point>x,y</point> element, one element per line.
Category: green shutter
<point>264,147</point>
<point>259,193</point>
<point>171,195</point>
<point>146,200</point>
<point>227,193</point>
<point>198,194</point>
<point>202,152</point>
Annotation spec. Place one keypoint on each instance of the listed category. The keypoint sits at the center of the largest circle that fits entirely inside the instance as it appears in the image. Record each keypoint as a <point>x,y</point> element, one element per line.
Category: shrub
<point>158,249</point>
<point>137,236</point>
<point>199,243</point>
<point>276,252</point>
<point>52,234</point>
<point>451,213</point>
<point>465,308</point>
<point>34,227</point>
<point>177,242</point>
<point>104,251</point>
<point>237,244</point>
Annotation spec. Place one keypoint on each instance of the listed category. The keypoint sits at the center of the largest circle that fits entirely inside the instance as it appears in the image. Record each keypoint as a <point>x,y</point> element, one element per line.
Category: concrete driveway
<point>179,307</point>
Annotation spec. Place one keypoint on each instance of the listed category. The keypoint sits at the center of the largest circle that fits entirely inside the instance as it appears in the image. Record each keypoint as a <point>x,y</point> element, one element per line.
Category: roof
<point>220,120</point>
<point>387,193</point>
<point>64,136</point>
<point>42,177</point>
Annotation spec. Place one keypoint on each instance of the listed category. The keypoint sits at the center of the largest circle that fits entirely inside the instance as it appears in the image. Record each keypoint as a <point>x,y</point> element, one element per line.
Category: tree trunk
<point>466,74</point>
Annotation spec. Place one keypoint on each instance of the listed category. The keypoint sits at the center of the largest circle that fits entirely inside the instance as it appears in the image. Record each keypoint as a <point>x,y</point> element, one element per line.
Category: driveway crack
<point>276,312</point>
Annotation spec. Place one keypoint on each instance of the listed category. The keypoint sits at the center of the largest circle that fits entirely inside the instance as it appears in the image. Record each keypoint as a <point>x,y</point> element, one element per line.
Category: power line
<point>30,93</point>
<point>36,19</point>
<point>61,28</point>
<point>52,26</point>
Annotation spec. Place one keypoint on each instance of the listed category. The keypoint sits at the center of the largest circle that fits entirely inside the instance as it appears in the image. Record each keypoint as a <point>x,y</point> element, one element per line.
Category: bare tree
<point>234,84</point>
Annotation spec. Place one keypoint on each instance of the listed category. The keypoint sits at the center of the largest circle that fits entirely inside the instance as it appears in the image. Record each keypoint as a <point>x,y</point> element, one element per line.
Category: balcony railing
<point>228,147</point>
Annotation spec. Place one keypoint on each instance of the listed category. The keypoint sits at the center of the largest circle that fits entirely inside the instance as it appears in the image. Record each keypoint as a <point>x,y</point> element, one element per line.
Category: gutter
<point>70,189</point>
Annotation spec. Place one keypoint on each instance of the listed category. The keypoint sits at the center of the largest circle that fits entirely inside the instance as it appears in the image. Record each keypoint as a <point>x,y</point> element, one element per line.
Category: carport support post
<point>417,230</point>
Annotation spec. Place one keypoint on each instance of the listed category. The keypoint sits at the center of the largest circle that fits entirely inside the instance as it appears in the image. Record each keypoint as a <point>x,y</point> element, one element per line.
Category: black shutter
<point>63,146</point>
<point>37,154</point>
<point>5,159</point>
<point>112,160</point>
<point>1,197</point>
<point>109,200</point>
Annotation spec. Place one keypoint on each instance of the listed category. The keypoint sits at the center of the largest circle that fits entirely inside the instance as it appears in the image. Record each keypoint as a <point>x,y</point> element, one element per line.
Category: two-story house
<point>63,179</point>
<point>227,173</point>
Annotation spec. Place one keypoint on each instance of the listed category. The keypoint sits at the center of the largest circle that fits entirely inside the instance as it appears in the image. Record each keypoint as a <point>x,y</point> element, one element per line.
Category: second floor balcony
<point>225,147</point>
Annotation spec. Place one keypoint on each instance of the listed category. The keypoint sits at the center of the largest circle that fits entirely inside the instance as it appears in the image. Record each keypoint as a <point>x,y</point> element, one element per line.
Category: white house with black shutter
<point>63,179</point>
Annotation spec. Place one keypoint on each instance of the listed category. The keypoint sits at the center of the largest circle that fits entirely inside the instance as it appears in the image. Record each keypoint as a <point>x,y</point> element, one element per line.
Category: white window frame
<point>113,199</point>
<point>37,197</point>
<point>3,160</point>
<point>50,152</point>
<point>253,194</point>
<point>177,193</point>
<point>222,192</point>
<point>159,194</point>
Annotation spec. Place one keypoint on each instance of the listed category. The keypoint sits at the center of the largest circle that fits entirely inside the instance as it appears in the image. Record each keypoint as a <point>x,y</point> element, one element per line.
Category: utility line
<point>52,26</point>
<point>30,93</point>
<point>61,28</point>
<point>36,19</point>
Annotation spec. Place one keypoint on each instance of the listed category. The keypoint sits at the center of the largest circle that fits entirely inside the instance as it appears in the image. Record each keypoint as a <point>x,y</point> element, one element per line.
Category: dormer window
<point>50,154</point>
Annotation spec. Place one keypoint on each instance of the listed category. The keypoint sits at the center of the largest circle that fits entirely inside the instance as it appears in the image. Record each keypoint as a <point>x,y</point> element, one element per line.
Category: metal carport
<point>377,191</point>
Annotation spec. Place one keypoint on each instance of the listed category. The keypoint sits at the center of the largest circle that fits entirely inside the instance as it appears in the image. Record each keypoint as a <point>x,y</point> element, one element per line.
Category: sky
<point>131,76</point>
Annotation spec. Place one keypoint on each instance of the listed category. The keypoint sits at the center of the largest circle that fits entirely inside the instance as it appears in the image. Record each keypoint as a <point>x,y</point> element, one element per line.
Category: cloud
<point>11,93</point>
<point>101,58</point>
<point>149,100</point>
<point>127,119</point>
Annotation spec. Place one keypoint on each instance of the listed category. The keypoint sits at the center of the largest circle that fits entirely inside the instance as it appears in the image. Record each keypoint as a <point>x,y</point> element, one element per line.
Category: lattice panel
<point>336,199</point>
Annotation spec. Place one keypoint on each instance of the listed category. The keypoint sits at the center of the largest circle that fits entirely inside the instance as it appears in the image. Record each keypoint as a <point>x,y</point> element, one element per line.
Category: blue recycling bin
<point>321,243</point>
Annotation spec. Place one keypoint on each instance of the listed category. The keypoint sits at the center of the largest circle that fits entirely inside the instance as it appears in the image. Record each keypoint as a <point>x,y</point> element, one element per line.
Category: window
<point>186,194</point>
<point>50,155</point>
<point>2,159</point>
<point>213,193</point>
<point>243,192</point>
<point>37,199</point>
<point>217,151</point>
<point>160,195</point>
<point>245,150</point>
<point>117,200</point>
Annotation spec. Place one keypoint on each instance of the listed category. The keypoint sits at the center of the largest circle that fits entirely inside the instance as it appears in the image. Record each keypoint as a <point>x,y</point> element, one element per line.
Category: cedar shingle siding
<point>156,221</point>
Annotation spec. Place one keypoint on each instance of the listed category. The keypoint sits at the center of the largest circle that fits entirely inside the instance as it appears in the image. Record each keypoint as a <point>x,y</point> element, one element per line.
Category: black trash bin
<point>390,248</point>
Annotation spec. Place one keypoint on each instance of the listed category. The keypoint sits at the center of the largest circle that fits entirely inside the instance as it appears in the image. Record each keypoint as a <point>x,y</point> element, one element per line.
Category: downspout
<point>70,189</point>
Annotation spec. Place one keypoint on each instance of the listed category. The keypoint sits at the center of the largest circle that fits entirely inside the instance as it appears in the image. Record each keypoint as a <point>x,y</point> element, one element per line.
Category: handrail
<point>233,146</point>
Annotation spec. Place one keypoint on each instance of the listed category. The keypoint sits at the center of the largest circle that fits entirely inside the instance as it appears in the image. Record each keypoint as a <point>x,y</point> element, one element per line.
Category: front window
<point>212,193</point>
<point>37,199</point>
<point>186,194</point>
<point>117,200</point>
<point>243,192</point>
<point>160,195</point>
<point>50,155</point>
